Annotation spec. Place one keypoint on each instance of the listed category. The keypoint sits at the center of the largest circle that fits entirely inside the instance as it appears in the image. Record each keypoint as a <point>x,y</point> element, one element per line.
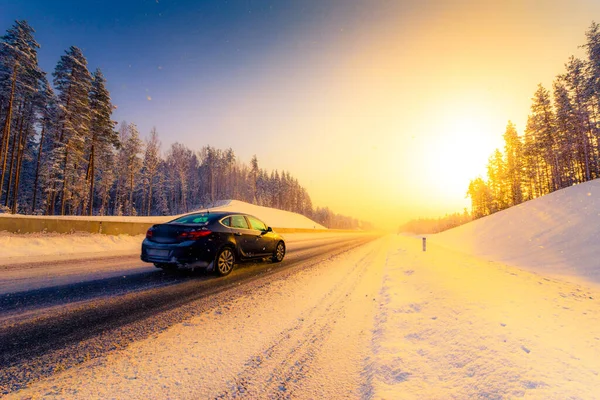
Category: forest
<point>560,146</point>
<point>435,225</point>
<point>62,154</point>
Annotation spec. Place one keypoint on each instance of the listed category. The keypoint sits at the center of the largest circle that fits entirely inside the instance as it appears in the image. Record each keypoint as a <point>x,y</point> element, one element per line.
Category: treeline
<point>561,143</point>
<point>436,225</point>
<point>62,154</point>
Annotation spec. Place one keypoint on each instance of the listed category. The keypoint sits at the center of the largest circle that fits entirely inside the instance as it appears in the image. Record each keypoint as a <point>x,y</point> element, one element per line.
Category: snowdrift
<point>271,216</point>
<point>557,234</point>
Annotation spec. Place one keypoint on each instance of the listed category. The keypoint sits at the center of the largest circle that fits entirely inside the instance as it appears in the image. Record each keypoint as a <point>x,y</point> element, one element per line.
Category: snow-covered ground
<point>505,307</point>
<point>384,321</point>
<point>33,247</point>
<point>456,326</point>
<point>555,235</point>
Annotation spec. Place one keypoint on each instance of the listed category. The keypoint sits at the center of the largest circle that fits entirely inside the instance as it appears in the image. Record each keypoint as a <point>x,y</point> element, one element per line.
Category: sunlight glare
<point>460,151</point>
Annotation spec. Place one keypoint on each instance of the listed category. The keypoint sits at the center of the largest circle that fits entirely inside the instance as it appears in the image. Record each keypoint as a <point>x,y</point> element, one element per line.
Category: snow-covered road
<point>385,320</point>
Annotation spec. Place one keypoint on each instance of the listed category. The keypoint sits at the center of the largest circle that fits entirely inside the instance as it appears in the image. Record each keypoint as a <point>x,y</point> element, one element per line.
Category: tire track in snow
<point>278,370</point>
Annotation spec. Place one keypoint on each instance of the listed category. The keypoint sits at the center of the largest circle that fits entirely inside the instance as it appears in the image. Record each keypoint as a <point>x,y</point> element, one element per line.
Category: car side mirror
<point>269,229</point>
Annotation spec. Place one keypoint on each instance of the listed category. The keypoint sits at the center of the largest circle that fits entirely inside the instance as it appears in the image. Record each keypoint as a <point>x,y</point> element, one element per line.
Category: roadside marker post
<point>424,244</point>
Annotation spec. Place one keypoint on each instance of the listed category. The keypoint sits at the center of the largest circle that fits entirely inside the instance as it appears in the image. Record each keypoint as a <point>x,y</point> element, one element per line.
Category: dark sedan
<point>211,240</point>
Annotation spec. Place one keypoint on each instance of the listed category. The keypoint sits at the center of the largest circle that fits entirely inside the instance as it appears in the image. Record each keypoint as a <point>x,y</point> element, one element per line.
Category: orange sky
<point>387,116</point>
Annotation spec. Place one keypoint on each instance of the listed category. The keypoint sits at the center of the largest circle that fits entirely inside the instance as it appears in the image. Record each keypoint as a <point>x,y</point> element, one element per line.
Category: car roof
<point>212,217</point>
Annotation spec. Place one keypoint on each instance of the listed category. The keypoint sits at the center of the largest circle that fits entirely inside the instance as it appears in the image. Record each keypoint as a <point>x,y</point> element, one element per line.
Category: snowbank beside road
<point>19,248</point>
<point>557,234</point>
<point>271,216</point>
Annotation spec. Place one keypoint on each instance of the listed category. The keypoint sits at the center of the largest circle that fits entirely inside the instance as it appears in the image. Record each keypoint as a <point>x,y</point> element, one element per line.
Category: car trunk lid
<point>172,232</point>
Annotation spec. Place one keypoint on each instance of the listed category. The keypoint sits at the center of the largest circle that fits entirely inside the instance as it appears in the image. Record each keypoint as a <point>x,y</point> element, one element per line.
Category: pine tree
<point>497,182</point>
<point>576,83</point>
<point>513,150</point>
<point>481,198</point>
<point>542,126</point>
<point>180,159</point>
<point>573,168</point>
<point>49,115</point>
<point>106,167</point>
<point>103,137</point>
<point>254,171</point>
<point>131,148</point>
<point>121,172</point>
<point>593,65</point>
<point>73,83</point>
<point>151,164</point>
<point>19,68</point>
<point>37,103</point>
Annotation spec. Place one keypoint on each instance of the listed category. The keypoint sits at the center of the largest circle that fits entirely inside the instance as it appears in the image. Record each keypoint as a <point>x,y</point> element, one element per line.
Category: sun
<point>459,152</point>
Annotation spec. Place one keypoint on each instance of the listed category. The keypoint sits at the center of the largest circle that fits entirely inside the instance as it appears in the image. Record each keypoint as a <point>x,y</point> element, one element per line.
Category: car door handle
<point>237,233</point>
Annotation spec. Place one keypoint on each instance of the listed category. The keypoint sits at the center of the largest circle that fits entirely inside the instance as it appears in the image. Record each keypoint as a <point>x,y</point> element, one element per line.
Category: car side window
<point>238,221</point>
<point>226,221</point>
<point>257,224</point>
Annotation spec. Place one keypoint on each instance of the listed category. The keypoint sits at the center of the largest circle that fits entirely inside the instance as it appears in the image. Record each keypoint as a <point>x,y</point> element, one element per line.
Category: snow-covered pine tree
<point>162,188</point>
<point>542,126</point>
<point>73,82</point>
<point>593,65</point>
<point>179,159</point>
<point>150,165</point>
<point>132,147</point>
<point>577,83</point>
<point>496,171</point>
<point>254,171</point>
<point>19,75</point>
<point>23,147</point>
<point>48,121</point>
<point>481,198</point>
<point>228,182</point>
<point>103,137</point>
<point>573,166</point>
<point>120,168</point>
<point>209,167</point>
<point>513,149</point>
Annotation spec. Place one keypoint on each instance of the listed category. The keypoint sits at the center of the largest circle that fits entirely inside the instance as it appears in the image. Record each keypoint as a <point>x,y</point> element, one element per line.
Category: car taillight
<point>149,233</point>
<point>194,235</point>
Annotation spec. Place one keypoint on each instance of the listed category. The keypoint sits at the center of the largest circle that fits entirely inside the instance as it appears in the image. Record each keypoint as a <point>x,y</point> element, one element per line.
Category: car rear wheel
<point>279,252</point>
<point>225,261</point>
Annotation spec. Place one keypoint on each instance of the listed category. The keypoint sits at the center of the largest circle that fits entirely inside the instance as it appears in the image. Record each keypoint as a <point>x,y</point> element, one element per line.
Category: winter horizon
<point>353,101</point>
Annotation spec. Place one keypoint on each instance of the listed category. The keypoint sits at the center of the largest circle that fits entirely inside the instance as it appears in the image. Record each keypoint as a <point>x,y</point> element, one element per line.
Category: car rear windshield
<point>194,219</point>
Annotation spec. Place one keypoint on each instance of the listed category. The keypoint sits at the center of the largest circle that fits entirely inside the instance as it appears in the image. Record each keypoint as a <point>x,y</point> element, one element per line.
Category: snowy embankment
<point>34,246</point>
<point>271,216</point>
<point>557,234</point>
